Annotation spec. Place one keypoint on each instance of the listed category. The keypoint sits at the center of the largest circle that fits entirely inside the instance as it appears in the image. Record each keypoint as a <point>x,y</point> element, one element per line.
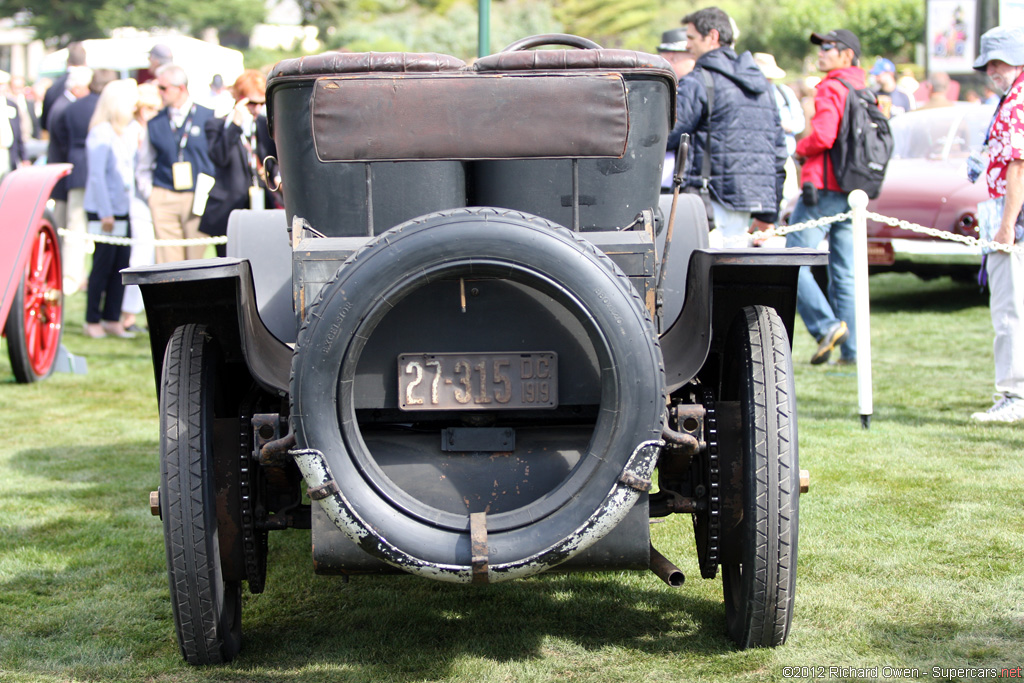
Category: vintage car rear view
<point>477,346</point>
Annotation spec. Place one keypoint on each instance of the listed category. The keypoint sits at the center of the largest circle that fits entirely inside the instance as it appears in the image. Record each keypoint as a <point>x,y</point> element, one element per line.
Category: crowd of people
<point>153,162</point>
<point>757,144</point>
<point>150,162</point>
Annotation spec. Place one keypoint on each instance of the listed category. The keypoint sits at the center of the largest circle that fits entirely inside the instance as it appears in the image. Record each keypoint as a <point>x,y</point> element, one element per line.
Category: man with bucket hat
<point>1002,59</point>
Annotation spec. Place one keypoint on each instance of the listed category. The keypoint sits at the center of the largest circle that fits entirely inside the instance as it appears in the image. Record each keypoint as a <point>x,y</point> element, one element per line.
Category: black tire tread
<point>192,555</point>
<point>769,605</point>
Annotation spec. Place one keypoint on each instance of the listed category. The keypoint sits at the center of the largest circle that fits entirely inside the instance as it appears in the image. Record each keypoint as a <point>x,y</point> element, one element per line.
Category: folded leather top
<point>336,63</point>
<point>604,59</point>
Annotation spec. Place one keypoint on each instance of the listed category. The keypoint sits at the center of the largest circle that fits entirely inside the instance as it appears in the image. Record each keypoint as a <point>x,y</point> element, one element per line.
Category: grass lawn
<point>911,543</point>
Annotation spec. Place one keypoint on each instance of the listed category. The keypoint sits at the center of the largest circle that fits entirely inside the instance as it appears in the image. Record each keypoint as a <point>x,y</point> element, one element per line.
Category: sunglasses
<point>825,47</point>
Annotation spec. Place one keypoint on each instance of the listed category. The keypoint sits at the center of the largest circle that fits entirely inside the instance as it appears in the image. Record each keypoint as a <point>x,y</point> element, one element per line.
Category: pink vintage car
<point>926,184</point>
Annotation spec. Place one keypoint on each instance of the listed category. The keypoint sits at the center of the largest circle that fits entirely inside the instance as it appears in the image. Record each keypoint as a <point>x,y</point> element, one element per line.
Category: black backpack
<point>864,144</point>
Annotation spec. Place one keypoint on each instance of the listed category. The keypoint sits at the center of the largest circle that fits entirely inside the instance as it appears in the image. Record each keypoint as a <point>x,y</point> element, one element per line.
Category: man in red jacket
<point>830,319</point>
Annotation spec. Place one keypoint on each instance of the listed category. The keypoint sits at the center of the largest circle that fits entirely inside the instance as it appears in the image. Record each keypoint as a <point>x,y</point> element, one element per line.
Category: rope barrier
<point>128,241</point>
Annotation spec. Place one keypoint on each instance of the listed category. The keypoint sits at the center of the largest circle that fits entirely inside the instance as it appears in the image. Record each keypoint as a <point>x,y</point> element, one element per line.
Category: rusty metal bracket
<point>665,503</point>
<point>634,482</point>
<point>270,447</point>
<point>689,419</point>
<point>478,539</point>
<point>328,488</point>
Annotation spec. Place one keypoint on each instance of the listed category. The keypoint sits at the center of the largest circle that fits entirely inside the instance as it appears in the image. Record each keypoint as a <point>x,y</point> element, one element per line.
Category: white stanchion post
<point>858,205</point>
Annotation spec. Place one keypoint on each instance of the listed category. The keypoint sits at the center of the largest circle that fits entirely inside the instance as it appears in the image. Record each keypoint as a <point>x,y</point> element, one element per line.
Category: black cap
<point>673,40</point>
<point>841,36</point>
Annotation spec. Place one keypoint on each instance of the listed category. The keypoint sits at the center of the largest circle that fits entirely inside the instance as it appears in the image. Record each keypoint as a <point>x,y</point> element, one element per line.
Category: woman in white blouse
<point>111,148</point>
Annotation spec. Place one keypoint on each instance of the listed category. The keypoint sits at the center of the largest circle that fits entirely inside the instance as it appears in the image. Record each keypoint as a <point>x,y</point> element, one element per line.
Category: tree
<point>449,27</point>
<point>612,23</point>
<point>784,29</point>
<point>887,27</point>
<point>59,22</point>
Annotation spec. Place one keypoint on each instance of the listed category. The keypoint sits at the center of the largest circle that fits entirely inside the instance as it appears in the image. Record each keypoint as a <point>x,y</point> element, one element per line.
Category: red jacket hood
<point>829,102</point>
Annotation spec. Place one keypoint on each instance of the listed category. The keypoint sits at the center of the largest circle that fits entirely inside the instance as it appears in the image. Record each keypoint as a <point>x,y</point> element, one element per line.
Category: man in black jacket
<point>69,128</point>
<point>741,126</point>
<point>76,57</point>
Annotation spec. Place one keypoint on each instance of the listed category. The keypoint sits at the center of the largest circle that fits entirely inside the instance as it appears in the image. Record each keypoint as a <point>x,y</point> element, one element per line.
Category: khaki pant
<point>173,220</point>
<point>75,245</point>
<point>1006,301</point>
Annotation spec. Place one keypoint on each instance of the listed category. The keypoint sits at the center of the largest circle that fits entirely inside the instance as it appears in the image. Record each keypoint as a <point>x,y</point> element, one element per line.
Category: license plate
<point>477,381</point>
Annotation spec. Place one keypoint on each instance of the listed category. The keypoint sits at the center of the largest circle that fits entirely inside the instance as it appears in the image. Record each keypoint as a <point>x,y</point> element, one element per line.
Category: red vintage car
<point>926,184</point>
<point>31,300</point>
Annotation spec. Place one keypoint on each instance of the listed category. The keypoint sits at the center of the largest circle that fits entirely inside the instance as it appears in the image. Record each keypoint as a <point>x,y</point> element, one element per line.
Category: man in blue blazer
<point>170,163</point>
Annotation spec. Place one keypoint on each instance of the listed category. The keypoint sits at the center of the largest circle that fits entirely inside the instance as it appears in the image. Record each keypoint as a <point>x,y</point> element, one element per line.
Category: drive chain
<point>711,556</point>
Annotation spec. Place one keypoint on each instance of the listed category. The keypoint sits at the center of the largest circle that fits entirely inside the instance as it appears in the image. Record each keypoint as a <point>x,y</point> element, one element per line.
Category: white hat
<point>769,68</point>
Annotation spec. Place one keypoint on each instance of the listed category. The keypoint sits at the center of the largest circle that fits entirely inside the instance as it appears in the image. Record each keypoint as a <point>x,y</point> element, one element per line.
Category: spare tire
<point>485,246</point>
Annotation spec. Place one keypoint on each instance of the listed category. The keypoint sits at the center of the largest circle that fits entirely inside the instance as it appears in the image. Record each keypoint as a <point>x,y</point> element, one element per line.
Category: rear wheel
<point>207,608</point>
<point>757,373</point>
<point>35,323</point>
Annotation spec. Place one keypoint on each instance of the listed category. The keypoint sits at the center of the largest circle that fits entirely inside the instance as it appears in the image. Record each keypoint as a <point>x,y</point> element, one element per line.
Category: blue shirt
<point>110,182</point>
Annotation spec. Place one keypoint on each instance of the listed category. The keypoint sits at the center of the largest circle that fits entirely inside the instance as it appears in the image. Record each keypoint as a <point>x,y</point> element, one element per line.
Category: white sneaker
<point>1006,409</point>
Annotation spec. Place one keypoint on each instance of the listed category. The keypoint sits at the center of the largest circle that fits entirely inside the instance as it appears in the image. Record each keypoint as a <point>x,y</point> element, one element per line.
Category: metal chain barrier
<point>128,241</point>
<point>893,222</point>
<point>945,235</point>
<point>859,216</point>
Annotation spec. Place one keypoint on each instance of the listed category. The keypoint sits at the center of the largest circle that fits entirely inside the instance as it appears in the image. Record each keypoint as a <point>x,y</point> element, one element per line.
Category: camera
<point>975,165</point>
<point>809,194</point>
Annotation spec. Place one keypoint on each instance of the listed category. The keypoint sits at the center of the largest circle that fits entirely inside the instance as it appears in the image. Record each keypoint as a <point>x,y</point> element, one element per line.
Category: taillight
<point>967,225</point>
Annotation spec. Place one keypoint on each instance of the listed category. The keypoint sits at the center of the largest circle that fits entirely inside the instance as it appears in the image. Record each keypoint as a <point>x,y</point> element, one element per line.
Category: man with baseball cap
<point>891,100</point>
<point>1002,59</point>
<point>829,319</point>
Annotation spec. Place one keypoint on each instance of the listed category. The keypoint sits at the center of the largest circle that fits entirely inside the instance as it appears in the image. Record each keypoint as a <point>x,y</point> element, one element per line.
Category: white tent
<point>201,60</point>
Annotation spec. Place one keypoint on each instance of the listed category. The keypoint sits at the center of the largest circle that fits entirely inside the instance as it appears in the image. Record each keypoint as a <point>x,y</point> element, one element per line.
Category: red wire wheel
<point>36,321</point>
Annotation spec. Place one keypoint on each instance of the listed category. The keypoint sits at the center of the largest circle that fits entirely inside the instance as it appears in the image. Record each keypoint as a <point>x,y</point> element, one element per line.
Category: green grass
<point>911,543</point>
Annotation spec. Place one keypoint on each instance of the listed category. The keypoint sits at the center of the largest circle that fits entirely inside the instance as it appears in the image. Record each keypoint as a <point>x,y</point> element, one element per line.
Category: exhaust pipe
<point>666,571</point>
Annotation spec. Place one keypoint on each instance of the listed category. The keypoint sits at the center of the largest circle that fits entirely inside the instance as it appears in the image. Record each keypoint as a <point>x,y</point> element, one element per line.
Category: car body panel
<point>23,196</point>
<point>926,184</point>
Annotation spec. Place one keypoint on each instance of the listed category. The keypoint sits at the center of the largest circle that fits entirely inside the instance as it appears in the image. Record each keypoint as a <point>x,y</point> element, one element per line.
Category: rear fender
<point>23,196</point>
<point>719,283</point>
<point>220,294</point>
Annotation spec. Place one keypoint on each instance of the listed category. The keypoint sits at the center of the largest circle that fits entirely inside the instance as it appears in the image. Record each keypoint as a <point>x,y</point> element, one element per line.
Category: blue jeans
<point>818,312</point>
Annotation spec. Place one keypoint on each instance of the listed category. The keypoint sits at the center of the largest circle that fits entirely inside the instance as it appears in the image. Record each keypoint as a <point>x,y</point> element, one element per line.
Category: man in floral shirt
<point>1002,59</point>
